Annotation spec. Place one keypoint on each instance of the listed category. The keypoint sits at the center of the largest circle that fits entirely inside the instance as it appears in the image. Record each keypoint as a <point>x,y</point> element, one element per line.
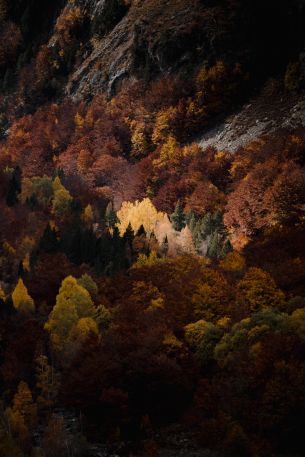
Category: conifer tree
<point>22,300</point>
<point>110,216</point>
<point>48,241</point>
<point>178,217</point>
<point>14,187</point>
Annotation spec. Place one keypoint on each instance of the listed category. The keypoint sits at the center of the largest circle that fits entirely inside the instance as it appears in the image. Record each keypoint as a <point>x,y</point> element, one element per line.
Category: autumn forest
<point>152,228</point>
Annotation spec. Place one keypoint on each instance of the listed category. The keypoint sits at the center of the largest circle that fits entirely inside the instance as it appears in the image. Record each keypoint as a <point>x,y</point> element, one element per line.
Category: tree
<point>185,241</point>
<point>21,299</point>
<point>72,303</point>
<point>14,187</point>
<point>83,328</point>
<point>22,415</point>
<point>40,188</point>
<point>178,217</point>
<point>137,214</point>
<point>62,199</point>
<point>88,215</point>
<point>87,283</point>
<point>2,294</point>
<point>110,216</point>
<point>202,336</point>
<point>233,261</point>
<point>259,291</point>
<point>47,383</point>
<point>139,142</point>
<point>48,241</point>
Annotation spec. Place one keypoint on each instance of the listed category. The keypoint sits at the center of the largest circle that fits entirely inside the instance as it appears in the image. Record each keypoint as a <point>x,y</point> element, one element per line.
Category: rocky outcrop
<point>150,38</point>
<point>263,115</point>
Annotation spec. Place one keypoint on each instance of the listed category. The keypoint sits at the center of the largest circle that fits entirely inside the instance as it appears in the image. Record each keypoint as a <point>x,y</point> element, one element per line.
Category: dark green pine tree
<point>214,247</point>
<point>118,250</point>
<point>191,220</point>
<point>88,246</point>
<point>32,202</point>
<point>164,247</point>
<point>128,236</point>
<point>206,226</point>
<point>226,248</point>
<point>48,241</point>
<point>110,216</point>
<point>141,231</point>
<point>178,217</point>
<point>14,188</point>
<point>20,270</point>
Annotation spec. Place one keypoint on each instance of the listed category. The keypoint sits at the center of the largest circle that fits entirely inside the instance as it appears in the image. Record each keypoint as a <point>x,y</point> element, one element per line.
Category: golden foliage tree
<point>137,214</point>
<point>72,303</point>
<point>259,291</point>
<point>22,301</point>
<point>22,415</point>
<point>47,383</point>
<point>62,199</point>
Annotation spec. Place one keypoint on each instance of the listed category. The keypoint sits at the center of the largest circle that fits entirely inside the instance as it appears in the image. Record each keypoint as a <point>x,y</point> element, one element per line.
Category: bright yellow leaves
<point>22,300</point>
<point>22,416</point>
<point>73,303</point>
<point>62,199</point>
<point>137,214</point>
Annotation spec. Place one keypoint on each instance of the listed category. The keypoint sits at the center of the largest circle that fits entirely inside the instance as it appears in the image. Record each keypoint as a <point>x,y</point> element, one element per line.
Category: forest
<point>152,288</point>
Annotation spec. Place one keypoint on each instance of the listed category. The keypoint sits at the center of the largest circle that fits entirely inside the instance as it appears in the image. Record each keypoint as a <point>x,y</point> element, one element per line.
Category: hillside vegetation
<point>152,212</point>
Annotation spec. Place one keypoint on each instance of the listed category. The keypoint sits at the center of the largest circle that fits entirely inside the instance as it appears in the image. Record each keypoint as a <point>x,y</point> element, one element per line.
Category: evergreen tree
<point>128,235</point>
<point>14,188</point>
<point>48,241</point>
<point>141,231</point>
<point>214,247</point>
<point>178,217</point>
<point>191,220</point>
<point>20,270</point>
<point>206,226</point>
<point>164,247</point>
<point>87,246</point>
<point>226,248</point>
<point>110,216</point>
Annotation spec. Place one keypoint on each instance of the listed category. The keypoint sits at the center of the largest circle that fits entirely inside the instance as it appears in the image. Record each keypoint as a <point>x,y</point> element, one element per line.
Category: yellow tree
<point>83,328</point>
<point>140,145</point>
<point>137,214</point>
<point>62,199</point>
<point>72,303</point>
<point>233,262</point>
<point>259,291</point>
<point>88,215</point>
<point>22,301</point>
<point>47,383</point>
<point>22,416</point>
<point>2,294</point>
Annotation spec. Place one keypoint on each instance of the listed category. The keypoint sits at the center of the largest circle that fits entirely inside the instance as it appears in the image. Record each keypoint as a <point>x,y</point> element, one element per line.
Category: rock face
<point>149,38</point>
<point>263,115</point>
<point>143,38</point>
